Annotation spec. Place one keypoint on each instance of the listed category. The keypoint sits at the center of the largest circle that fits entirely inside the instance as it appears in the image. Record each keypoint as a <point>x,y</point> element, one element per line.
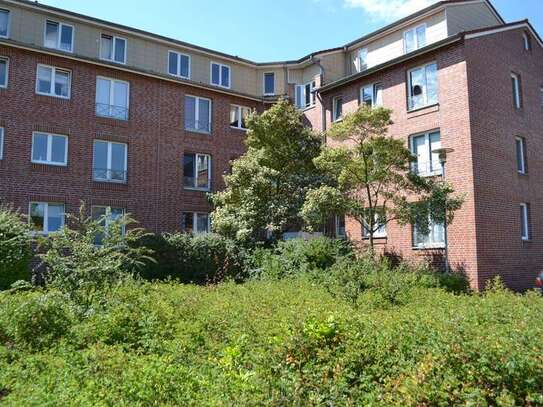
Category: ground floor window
<point>435,238</point>
<point>46,217</point>
<point>340,226</point>
<point>195,222</point>
<point>107,216</point>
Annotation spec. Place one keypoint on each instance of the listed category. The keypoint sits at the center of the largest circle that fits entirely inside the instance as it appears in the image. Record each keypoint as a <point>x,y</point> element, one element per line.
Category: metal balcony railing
<point>105,175</point>
<point>427,169</point>
<point>201,126</point>
<point>114,112</point>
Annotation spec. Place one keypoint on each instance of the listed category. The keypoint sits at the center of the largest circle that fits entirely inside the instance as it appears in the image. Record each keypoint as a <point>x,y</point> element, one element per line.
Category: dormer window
<point>415,38</point>
<point>361,60</point>
<point>113,48</point>
<point>526,41</point>
<point>59,36</point>
<point>4,23</point>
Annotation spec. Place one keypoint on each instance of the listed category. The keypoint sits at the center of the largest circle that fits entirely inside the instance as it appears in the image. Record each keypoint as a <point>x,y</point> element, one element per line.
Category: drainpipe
<point>319,97</point>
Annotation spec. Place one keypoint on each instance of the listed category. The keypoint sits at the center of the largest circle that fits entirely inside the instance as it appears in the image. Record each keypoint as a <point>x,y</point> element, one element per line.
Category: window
<point>113,48</point>
<point>238,116</point>
<point>106,216</point>
<point>53,81</point>
<point>517,93</point>
<point>50,149</point>
<point>435,238</point>
<point>526,41</point>
<point>422,147</point>
<point>4,64</point>
<point>269,83</point>
<point>1,143</point>
<point>112,98</point>
<point>305,96</point>
<point>179,64</point>
<point>196,223</point>
<point>360,59</point>
<point>525,229</point>
<point>59,36</point>
<point>521,155</point>
<point>415,38</point>
<point>378,225</point>
<point>46,217</point>
<point>197,114</point>
<point>197,171</point>
<point>372,95</point>
<point>340,226</point>
<point>423,86</point>
<point>337,108</point>
<point>109,161</point>
<point>4,23</point>
<point>220,75</point>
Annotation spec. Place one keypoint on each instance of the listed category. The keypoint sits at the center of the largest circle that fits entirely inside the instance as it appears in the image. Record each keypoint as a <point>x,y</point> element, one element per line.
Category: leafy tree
<point>267,186</point>
<point>373,181</point>
<point>14,247</point>
<point>79,267</point>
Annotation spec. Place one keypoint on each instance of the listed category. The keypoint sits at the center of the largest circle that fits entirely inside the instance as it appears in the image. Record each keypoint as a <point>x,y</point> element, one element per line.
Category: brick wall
<point>155,135</point>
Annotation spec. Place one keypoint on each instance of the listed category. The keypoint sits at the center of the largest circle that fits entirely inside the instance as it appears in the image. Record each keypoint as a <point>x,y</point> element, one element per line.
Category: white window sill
<point>221,86</point>
<point>416,109</point>
<point>430,246</point>
<point>238,128</point>
<point>198,131</point>
<point>49,163</point>
<point>113,61</point>
<point>197,189</point>
<point>53,95</point>
<point>103,116</point>
<point>71,51</point>
<point>179,76</point>
<point>109,181</point>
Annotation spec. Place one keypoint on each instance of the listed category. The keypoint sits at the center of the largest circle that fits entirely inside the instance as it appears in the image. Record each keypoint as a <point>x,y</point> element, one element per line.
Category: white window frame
<point>195,215</point>
<point>220,75</point>
<point>5,85</point>
<point>209,172</point>
<point>8,32</point>
<point>525,222</point>
<point>46,230</point>
<point>2,131</point>
<point>60,25</point>
<point>54,70</point>
<point>49,152</point>
<point>417,45</point>
<point>517,98</point>
<point>109,158</point>
<point>112,97</point>
<point>373,87</point>
<point>335,118</point>
<point>380,233</point>
<point>521,142</point>
<point>427,143</point>
<point>425,88</point>
<point>178,73</point>
<point>239,110</point>
<point>264,84</point>
<point>114,39</point>
<point>431,245</point>
<point>301,104</point>
<point>108,220</point>
<point>197,114</point>
<point>357,59</point>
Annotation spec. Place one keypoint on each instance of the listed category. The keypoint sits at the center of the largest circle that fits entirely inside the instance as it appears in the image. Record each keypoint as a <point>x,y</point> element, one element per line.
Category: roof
<point>136,31</point>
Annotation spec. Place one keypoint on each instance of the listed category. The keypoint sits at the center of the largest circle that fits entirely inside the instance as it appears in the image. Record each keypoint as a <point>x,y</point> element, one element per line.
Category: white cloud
<point>386,10</point>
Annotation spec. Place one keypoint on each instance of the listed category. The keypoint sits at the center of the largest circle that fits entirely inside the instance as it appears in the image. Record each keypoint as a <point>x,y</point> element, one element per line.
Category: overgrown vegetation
<point>14,247</point>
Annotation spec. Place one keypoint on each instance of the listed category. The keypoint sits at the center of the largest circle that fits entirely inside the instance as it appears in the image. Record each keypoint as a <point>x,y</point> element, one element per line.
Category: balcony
<point>105,175</point>
<point>198,126</point>
<point>111,111</point>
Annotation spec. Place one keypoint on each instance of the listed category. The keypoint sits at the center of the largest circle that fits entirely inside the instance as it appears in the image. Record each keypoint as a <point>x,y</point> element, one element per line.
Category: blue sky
<point>265,30</point>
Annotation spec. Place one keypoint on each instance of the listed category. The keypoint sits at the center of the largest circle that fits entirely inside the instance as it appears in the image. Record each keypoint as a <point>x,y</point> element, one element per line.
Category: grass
<point>286,342</point>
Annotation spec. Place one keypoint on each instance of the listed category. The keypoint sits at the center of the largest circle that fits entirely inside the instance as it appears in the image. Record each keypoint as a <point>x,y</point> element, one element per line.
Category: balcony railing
<point>427,169</point>
<point>105,175</point>
<point>114,112</point>
<point>198,126</point>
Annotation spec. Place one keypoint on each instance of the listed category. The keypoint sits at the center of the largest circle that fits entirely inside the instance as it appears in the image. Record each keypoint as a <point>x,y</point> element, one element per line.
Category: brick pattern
<point>155,135</point>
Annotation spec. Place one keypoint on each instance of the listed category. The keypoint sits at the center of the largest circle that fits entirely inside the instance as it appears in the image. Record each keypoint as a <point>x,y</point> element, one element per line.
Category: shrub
<point>34,321</point>
<point>81,268</point>
<point>199,259</point>
<point>294,257</point>
<point>14,247</point>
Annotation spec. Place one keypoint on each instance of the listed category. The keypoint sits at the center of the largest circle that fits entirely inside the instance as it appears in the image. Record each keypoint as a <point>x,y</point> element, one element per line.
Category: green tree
<point>373,181</point>
<point>14,247</point>
<point>267,186</point>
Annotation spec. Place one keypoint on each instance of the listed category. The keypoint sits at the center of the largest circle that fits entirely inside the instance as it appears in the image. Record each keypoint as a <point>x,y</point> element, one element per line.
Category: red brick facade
<point>155,134</point>
<point>476,117</point>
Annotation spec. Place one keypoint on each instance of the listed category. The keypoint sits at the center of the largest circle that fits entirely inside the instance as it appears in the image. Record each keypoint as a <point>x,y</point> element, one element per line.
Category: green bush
<point>294,257</point>
<point>14,248</point>
<point>199,259</point>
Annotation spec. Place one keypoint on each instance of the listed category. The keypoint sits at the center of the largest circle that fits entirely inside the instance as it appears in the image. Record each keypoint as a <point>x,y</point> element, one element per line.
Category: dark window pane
<point>190,112</point>
<point>225,76</point>
<point>120,46</point>
<point>269,83</point>
<point>66,38</point>
<point>189,170</point>
<point>37,216</point>
<point>184,62</point>
<point>4,19</point>
<point>58,149</point>
<point>187,222</point>
<point>172,63</point>
<point>39,147</point>
<point>3,72</point>
<point>215,74</point>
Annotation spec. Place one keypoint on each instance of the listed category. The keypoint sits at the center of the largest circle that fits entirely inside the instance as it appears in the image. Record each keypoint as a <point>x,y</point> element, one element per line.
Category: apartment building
<point>130,121</point>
